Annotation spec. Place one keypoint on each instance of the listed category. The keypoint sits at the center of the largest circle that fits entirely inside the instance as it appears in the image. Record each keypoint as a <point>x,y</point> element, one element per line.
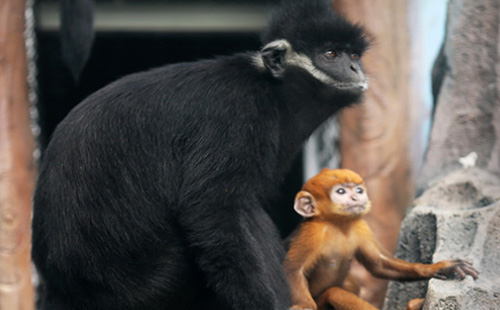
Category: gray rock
<point>458,213</point>
<point>457,217</point>
<point>467,116</point>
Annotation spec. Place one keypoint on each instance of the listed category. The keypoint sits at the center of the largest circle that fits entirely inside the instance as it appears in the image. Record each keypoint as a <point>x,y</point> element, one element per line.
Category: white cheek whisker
<point>304,62</point>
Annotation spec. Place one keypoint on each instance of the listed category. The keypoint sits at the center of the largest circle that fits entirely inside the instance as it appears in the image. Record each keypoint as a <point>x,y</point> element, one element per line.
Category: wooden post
<point>375,135</point>
<point>17,168</point>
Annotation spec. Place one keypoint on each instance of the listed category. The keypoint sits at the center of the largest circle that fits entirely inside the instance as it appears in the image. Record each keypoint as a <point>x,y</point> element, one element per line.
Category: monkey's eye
<point>355,56</point>
<point>340,191</point>
<point>331,54</point>
<point>359,190</point>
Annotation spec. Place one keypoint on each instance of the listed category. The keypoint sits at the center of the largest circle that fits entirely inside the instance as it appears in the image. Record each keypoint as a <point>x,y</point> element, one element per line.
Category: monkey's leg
<point>415,304</point>
<point>340,299</point>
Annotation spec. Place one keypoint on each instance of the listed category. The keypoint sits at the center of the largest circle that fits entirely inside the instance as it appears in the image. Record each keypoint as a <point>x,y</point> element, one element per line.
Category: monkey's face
<point>337,67</point>
<point>343,67</point>
<point>337,192</point>
<point>349,199</point>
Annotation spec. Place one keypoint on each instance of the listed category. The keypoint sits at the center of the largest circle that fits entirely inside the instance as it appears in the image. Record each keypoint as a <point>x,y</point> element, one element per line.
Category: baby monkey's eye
<point>359,190</point>
<point>340,191</point>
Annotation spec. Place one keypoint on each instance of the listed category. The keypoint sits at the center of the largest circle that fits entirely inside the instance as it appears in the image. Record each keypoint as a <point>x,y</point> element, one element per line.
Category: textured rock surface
<point>467,117</point>
<point>457,217</point>
<point>474,235</point>
<point>458,213</point>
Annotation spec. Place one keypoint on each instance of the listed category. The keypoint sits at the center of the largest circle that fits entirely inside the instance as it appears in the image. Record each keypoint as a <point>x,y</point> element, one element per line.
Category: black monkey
<point>151,190</point>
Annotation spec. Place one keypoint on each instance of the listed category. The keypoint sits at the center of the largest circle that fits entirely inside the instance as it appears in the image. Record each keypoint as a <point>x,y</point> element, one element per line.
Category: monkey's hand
<point>450,268</point>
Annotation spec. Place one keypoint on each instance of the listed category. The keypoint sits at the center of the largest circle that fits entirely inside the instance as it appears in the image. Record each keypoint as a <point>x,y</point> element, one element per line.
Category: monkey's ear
<point>274,56</point>
<point>305,204</point>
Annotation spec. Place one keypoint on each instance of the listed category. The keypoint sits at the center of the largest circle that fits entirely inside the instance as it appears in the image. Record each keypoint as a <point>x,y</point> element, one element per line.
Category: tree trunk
<point>16,162</point>
<point>374,136</point>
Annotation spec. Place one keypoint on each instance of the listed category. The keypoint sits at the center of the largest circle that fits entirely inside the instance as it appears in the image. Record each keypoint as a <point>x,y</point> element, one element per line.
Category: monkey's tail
<point>77,33</point>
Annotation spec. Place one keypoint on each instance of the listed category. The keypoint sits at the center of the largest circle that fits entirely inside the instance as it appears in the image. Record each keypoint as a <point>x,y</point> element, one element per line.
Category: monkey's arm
<point>237,253</point>
<point>303,253</point>
<point>383,265</point>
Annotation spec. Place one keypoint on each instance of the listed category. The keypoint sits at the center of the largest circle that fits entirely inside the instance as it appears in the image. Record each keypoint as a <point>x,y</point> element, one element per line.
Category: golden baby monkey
<point>332,234</point>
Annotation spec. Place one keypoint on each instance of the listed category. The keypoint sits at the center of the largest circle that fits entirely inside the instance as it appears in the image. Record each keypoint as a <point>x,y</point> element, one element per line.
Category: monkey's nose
<point>354,68</point>
<point>354,198</point>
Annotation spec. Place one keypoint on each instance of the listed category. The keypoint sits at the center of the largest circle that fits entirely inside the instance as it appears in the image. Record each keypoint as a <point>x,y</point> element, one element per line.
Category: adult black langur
<point>151,191</point>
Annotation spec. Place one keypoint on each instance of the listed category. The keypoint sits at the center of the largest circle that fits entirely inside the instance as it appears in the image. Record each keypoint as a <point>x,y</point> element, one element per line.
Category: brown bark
<point>375,135</point>
<point>16,162</point>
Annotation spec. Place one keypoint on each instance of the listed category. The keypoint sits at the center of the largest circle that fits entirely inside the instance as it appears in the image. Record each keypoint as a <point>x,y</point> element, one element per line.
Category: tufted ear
<point>305,204</point>
<point>274,56</point>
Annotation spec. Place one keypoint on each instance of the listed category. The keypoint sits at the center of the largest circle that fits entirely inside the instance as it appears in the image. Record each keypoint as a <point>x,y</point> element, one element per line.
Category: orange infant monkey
<point>333,232</point>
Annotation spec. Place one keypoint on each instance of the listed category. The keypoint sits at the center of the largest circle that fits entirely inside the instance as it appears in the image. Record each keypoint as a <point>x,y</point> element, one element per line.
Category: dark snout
<point>349,71</point>
<point>345,71</point>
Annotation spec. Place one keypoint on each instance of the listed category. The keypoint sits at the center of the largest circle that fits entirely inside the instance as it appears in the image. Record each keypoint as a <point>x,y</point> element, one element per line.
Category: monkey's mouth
<point>362,86</point>
<point>354,209</point>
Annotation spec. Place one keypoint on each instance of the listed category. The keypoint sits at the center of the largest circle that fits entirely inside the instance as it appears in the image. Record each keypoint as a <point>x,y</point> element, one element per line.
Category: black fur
<point>151,190</point>
<point>315,25</point>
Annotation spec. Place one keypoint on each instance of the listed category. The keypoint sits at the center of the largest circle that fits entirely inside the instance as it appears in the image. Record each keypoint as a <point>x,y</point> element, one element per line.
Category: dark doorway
<point>117,54</point>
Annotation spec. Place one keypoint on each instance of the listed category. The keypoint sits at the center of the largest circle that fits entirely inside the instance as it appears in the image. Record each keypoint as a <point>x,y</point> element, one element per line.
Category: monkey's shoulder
<point>308,233</point>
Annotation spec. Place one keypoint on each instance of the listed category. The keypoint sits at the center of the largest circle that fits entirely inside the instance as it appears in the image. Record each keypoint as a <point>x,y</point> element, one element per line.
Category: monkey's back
<point>124,161</point>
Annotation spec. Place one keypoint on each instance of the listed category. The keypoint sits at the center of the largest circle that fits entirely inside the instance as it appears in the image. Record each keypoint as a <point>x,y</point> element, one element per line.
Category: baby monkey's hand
<point>456,267</point>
